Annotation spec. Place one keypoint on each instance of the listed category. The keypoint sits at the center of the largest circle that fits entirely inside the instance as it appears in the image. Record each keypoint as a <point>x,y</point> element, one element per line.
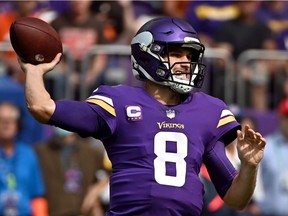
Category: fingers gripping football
<point>42,68</point>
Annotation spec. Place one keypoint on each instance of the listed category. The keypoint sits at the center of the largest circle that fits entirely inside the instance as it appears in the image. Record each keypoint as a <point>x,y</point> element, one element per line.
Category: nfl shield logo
<point>170,113</point>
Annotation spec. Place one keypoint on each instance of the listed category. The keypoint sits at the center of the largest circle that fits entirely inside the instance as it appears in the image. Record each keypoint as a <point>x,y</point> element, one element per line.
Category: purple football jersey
<point>156,150</point>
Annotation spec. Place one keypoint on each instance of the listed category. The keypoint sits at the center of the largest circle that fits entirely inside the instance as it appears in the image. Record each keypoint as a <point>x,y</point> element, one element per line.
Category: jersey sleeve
<point>94,117</point>
<point>102,102</point>
<point>227,126</point>
<point>222,131</point>
<point>223,123</point>
<point>221,170</point>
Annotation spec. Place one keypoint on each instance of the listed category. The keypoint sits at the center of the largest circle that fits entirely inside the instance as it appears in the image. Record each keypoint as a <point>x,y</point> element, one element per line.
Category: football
<point>34,40</point>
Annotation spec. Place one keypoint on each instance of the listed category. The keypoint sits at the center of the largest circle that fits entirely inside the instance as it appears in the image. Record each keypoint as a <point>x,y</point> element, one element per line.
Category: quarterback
<point>157,136</point>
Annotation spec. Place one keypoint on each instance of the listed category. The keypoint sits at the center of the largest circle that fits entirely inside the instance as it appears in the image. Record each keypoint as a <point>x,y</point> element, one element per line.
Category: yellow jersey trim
<point>104,105</point>
<point>225,120</point>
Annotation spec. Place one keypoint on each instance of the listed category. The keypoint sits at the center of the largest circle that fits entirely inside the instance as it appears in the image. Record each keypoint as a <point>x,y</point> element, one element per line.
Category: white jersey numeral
<point>178,157</point>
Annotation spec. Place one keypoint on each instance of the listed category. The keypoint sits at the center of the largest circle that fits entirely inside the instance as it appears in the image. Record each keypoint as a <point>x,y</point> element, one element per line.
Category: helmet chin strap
<point>181,89</point>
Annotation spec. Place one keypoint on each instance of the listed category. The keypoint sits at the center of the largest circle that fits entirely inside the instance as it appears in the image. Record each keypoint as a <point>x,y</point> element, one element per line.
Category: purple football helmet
<point>153,40</point>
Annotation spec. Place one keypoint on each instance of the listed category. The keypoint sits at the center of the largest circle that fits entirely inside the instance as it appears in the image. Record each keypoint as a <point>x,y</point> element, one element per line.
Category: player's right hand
<point>40,68</point>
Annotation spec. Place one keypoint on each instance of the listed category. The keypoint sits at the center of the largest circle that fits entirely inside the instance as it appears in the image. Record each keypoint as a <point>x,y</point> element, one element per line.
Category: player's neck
<point>163,94</point>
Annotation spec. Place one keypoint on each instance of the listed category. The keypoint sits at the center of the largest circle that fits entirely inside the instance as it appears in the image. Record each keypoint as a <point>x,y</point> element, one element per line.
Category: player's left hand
<point>250,146</point>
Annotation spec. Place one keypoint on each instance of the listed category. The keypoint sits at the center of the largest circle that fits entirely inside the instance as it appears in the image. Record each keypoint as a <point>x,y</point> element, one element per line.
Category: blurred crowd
<point>246,60</point>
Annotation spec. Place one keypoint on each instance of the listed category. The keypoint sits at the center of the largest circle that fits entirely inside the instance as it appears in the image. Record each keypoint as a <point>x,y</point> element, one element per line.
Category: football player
<point>158,136</point>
